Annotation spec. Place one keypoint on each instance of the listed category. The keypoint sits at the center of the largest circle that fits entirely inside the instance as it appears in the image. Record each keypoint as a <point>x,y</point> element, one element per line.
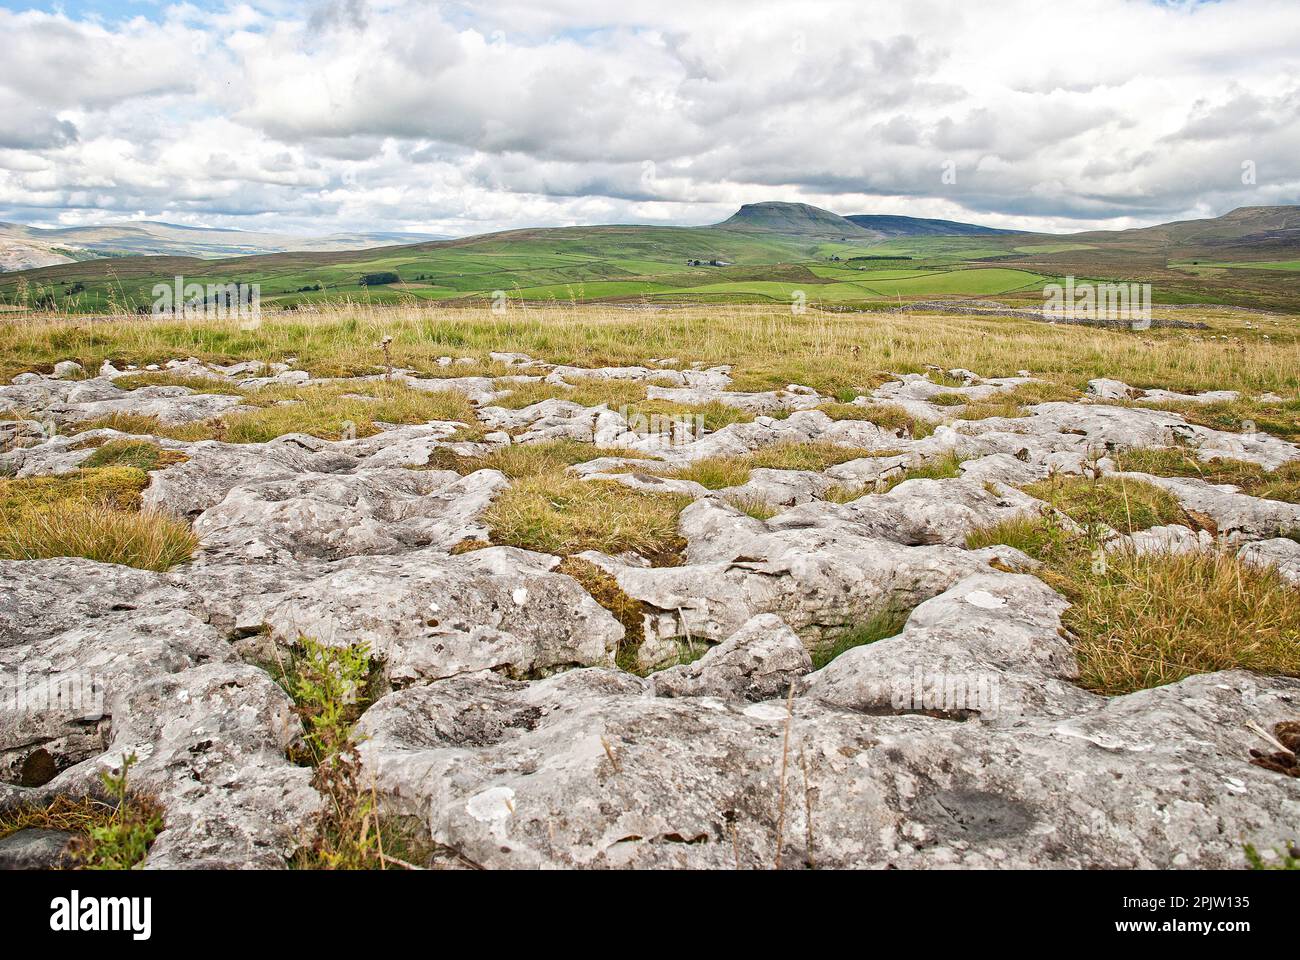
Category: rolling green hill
<point>766,252</point>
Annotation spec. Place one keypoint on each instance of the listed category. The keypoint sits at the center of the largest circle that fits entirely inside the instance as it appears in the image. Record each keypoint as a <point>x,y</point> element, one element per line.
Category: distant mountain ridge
<point>23,247</point>
<point>805,220</point>
<point>1261,228</point>
<point>895,226</point>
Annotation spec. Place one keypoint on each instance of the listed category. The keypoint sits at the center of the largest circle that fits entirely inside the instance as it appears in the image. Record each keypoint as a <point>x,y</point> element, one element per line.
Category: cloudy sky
<point>463,117</point>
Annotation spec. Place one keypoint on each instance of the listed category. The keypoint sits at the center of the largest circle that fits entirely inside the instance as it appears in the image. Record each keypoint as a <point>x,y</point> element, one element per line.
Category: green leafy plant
<point>123,839</point>
<point>331,685</point>
<point>1286,859</point>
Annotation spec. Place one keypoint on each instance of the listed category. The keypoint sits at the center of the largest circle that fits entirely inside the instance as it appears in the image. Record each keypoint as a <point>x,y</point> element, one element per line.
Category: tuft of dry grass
<point>145,426</point>
<point>164,378</point>
<point>93,514</point>
<point>713,415</point>
<point>1120,503</point>
<point>888,416</point>
<point>1015,403</point>
<point>717,473</point>
<point>628,611</point>
<point>113,486</point>
<point>560,514</point>
<point>148,540</point>
<point>587,392</point>
<point>1142,621</point>
<point>139,454</point>
<point>755,507</point>
<point>1042,538</point>
<point>944,467</point>
<point>332,411</point>
<point>1280,484</point>
<point>521,460</point>
<point>1148,621</point>
<point>1237,416</point>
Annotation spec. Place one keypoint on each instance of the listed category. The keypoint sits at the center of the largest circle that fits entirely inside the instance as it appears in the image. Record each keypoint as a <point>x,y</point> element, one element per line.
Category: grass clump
<point>887,416</point>
<point>520,460</point>
<point>1118,502</point>
<point>1142,621</point>
<point>887,623</point>
<point>141,425</point>
<point>112,831</point>
<point>337,410</point>
<point>628,611</point>
<point>93,514</point>
<point>755,507</point>
<point>717,473</point>
<point>137,454</point>
<point>809,456</point>
<point>711,416</point>
<point>947,466</point>
<point>1042,538</point>
<point>560,514</point>
<point>587,393</point>
<point>1280,484</point>
<point>1150,620</point>
<point>111,486</point>
<point>164,378</point>
<point>1236,416</point>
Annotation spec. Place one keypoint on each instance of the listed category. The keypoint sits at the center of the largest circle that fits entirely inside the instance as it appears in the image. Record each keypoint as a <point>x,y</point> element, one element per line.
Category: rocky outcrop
<point>313,516</point>
<point>587,769</point>
<point>507,730</point>
<point>428,615</point>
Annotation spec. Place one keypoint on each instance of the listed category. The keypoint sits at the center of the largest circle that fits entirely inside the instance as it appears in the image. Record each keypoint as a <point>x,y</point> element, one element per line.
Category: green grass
<point>525,460</point>
<point>947,466</point>
<point>712,416</point>
<point>769,347</point>
<point>716,473</point>
<point>887,416</point>
<point>90,513</point>
<point>164,378</point>
<point>138,454</point>
<point>334,411</point>
<point>1280,484</point>
<point>148,426</point>
<point>887,623</point>
<point>559,514</point>
<point>628,611</point>
<point>1120,503</point>
<point>1239,416</point>
<point>1140,621</point>
<point>586,392</point>
<point>1148,621</point>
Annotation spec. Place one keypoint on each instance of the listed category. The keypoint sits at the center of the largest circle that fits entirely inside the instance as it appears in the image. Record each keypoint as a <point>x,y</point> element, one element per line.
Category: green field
<point>713,264</point>
<point>1291,265</point>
